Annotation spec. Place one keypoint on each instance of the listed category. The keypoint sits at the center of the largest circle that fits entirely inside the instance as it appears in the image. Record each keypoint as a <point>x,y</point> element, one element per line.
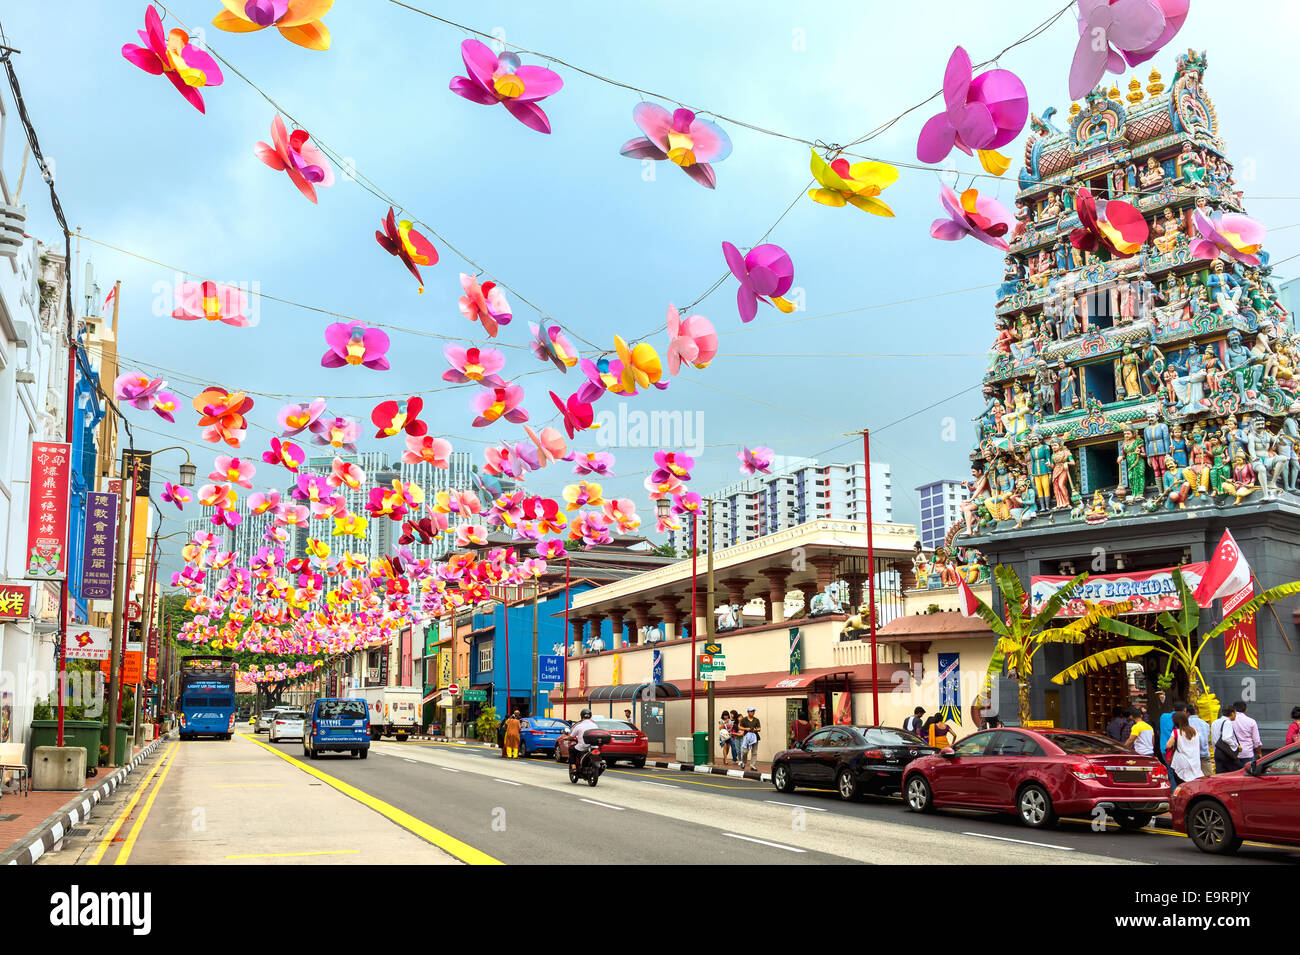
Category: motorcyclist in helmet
<point>580,746</point>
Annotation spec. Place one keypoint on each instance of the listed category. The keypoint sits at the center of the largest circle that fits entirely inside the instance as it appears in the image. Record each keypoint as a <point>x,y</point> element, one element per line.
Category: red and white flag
<point>108,301</point>
<point>967,598</point>
<point>1226,574</point>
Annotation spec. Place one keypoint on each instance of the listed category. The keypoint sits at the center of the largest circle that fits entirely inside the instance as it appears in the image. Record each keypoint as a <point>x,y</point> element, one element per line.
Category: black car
<point>850,759</point>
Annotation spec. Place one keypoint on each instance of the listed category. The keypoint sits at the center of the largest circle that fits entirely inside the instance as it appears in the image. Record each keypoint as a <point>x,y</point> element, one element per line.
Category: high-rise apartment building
<point>940,509</point>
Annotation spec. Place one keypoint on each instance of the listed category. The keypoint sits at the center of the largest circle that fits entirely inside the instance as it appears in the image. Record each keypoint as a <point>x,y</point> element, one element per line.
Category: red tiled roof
<point>934,626</point>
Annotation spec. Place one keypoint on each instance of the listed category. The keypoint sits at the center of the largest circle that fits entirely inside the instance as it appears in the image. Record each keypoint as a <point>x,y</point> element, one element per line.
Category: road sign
<point>713,648</point>
<point>476,696</point>
<point>550,669</point>
<point>132,610</point>
<point>453,689</point>
<point>713,676</point>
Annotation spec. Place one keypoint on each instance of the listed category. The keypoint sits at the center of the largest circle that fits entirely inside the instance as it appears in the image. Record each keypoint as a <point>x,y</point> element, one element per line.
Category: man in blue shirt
<point>1203,737</point>
<point>1164,730</point>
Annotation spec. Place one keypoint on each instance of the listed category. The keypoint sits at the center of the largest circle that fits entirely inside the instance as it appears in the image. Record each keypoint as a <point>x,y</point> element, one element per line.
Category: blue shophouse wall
<point>87,413</point>
<point>550,631</point>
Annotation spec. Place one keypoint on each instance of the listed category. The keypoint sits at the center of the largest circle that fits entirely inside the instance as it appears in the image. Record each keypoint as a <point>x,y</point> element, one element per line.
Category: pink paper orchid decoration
<point>503,79</point>
<point>213,303</point>
<point>1115,32</point>
<point>477,365</point>
<point>755,460</point>
<point>1233,234</point>
<point>428,449</point>
<point>234,470</point>
<point>484,303</point>
<point>680,136</point>
<point>291,153</point>
<point>145,393</point>
<point>972,214</point>
<point>299,21</point>
<point>493,403</point>
<point>176,494</point>
<point>188,68</point>
<point>284,453</point>
<point>577,414</point>
<point>352,343</point>
<point>980,113</point>
<point>691,339</point>
<point>550,344</point>
<point>765,274</point>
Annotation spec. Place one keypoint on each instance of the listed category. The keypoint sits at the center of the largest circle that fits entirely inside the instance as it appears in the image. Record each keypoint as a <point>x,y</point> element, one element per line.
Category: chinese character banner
<point>100,548</point>
<point>47,518</point>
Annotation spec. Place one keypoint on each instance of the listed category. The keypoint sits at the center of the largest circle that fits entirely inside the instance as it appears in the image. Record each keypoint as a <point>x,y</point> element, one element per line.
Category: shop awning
<point>430,696</point>
<point>934,626</point>
<point>630,691</point>
<point>806,678</point>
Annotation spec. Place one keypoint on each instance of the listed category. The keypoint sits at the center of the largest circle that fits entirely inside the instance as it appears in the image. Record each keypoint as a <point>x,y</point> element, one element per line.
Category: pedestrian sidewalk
<point>31,825</point>
<point>669,761</point>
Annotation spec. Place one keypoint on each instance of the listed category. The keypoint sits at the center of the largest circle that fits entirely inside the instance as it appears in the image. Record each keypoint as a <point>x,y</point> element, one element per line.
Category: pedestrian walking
<point>501,737</point>
<point>512,736</point>
<point>800,728</point>
<point>1203,738</point>
<point>1183,750</point>
<point>1227,751</point>
<point>1293,731</point>
<point>724,736</point>
<point>1120,724</point>
<point>752,728</point>
<point>915,724</point>
<point>737,736</point>
<point>1141,737</point>
<point>1247,733</point>
<point>936,732</point>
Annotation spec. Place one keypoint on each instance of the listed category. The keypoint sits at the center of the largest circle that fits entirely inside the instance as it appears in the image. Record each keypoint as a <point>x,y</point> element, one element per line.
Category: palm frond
<point>1013,594</point>
<point>1251,606</point>
<point>1190,615</point>
<point>1122,629</point>
<point>1103,658</point>
<point>1052,606</point>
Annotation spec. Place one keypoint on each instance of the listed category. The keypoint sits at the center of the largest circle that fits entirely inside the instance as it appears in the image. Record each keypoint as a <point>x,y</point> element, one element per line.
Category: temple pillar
<point>641,617</point>
<point>578,624</point>
<point>615,629</point>
<point>672,616</point>
<point>776,591</point>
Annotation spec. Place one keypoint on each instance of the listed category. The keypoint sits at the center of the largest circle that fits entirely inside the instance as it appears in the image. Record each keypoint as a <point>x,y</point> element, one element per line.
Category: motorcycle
<point>589,766</point>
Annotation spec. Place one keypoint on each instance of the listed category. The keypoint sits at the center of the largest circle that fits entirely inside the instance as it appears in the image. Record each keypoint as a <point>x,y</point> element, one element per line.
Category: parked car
<point>337,725</point>
<point>852,759</point>
<point>1040,775</point>
<point>539,734</point>
<point>287,725</point>
<point>625,742</point>
<point>265,718</point>
<point>1260,802</point>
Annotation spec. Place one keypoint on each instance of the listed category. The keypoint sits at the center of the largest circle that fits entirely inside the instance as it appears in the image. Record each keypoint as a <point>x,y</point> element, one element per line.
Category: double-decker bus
<point>207,699</point>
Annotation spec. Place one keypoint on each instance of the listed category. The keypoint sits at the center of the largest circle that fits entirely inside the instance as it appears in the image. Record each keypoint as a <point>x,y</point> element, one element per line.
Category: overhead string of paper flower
<point>189,68</point>
<point>980,113</point>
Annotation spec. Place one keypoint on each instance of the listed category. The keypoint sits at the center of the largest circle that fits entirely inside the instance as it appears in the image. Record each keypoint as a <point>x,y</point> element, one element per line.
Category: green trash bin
<point>123,732</point>
<point>701,748</point>
<point>83,733</point>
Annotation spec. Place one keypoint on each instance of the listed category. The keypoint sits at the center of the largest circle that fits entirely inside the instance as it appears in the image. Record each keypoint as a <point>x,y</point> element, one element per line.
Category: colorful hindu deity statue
<point>1191,165</point>
<point>1153,176</point>
<point>1040,467</point>
<point>1064,378</point>
<point>1132,463</point>
<point>1130,373</point>
<point>1063,488</point>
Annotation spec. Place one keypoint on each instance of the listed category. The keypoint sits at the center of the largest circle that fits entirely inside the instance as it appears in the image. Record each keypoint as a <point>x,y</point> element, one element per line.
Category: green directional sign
<point>475,696</point>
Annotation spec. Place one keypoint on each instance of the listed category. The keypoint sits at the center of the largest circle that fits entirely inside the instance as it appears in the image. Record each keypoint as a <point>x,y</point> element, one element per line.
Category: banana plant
<point>1177,640</point>
<point>1017,635</point>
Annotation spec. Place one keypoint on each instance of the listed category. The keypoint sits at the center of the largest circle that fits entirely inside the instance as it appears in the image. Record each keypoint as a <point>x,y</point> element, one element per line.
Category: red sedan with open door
<point>1260,802</point>
<point>1040,775</point>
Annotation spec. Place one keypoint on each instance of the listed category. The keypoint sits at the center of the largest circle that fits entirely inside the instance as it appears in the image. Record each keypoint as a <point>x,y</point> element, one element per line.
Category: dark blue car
<point>336,726</point>
<point>540,734</point>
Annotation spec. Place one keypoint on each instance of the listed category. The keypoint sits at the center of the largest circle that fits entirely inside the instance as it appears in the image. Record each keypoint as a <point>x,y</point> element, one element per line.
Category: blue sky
<point>570,223</point>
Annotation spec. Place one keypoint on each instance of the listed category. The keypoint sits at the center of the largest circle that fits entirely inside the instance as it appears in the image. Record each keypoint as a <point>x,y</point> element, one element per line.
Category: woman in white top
<point>1186,760</point>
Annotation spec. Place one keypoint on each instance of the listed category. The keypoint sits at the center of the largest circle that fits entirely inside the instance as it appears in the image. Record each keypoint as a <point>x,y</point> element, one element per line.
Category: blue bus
<point>207,698</point>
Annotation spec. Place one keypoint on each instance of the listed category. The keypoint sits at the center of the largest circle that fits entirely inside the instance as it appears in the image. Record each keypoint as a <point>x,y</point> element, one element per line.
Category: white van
<point>394,710</point>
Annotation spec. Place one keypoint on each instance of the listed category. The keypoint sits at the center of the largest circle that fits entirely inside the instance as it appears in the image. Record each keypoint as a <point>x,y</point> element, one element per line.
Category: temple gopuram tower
<point>1138,407</point>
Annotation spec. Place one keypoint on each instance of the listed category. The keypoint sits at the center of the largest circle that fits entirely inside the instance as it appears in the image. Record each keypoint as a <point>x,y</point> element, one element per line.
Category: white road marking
<point>795,805</point>
<point>506,781</point>
<point>646,782</point>
<point>774,845</point>
<point>605,804</point>
<point>449,769</point>
<point>408,759</point>
<point>1023,842</point>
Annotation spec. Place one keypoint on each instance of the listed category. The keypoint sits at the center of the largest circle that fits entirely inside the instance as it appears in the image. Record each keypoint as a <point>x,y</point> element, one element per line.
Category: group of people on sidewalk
<point>1190,747</point>
<point>738,738</point>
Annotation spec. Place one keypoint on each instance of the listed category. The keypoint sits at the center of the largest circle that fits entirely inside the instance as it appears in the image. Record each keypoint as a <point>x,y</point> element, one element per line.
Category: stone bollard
<point>59,768</point>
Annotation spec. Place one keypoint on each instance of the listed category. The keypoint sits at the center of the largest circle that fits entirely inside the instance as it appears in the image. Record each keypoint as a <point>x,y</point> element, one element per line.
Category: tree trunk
<point>1024,702</point>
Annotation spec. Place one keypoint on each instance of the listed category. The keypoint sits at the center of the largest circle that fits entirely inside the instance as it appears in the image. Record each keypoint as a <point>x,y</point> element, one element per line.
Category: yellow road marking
<point>125,852</point>
<point>126,811</point>
<point>448,843</point>
<point>287,855</point>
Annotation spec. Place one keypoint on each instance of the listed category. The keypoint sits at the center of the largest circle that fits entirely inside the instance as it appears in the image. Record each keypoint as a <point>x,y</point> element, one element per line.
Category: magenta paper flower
<point>591,529</point>
<point>176,494</point>
<point>294,515</point>
<point>337,432</point>
<point>344,472</point>
<point>225,518</point>
<point>755,460</point>
<point>1235,235</point>
<point>594,462</point>
<point>234,470</point>
<point>505,460</point>
<point>578,415</point>
<point>494,403</point>
<point>551,549</point>
<point>691,339</point>
<point>188,68</point>
<point>672,463</point>
<point>284,453</point>
<point>467,534</point>
<point>502,79</point>
<point>765,274</point>
<point>680,136</point>
<point>352,343</point>
<point>259,502</point>
<point>983,112</point>
<point>622,512</point>
<point>972,214</point>
<point>146,394</point>
<point>427,449</point>
<point>477,365</point>
<point>1114,31</point>
<point>213,303</point>
<point>550,344</point>
<point>668,522</point>
<point>295,419</point>
<point>666,488</point>
<point>305,164</point>
<point>484,303</point>
<point>687,502</point>
<point>598,379</point>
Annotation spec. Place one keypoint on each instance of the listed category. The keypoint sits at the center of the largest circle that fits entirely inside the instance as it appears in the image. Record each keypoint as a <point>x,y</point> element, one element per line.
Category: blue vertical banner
<point>657,668</point>
<point>950,687</point>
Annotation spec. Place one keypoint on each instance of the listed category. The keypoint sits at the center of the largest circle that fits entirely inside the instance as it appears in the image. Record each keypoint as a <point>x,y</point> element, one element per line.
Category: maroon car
<point>625,742</point>
<point>1040,775</point>
<point>1260,802</point>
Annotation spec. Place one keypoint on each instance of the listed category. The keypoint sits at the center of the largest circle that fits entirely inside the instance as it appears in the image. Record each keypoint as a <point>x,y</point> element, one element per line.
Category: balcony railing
<point>858,653</point>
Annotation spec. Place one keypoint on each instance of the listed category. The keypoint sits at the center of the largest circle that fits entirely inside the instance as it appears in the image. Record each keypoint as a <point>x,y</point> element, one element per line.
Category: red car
<point>625,742</point>
<point>1040,775</point>
<point>1259,802</point>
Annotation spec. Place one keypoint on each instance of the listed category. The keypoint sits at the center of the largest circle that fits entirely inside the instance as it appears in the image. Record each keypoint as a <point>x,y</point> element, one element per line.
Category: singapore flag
<point>1226,574</point>
<point>969,602</point>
